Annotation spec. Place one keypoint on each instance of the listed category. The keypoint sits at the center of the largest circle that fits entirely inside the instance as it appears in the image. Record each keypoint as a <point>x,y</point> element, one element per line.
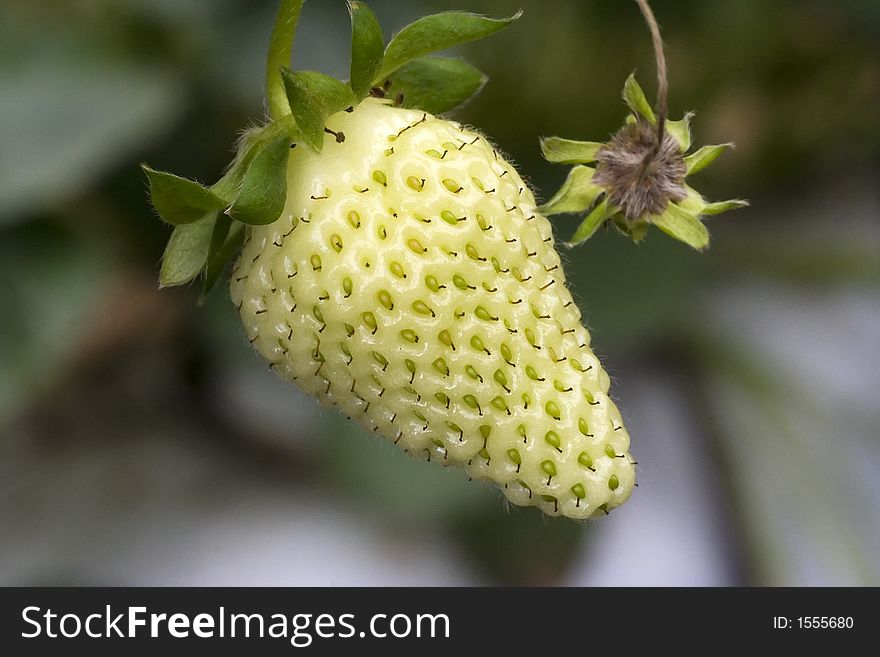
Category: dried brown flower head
<point>638,177</point>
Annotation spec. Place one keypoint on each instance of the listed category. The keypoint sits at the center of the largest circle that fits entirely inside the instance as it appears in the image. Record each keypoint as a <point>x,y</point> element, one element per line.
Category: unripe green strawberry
<point>411,282</point>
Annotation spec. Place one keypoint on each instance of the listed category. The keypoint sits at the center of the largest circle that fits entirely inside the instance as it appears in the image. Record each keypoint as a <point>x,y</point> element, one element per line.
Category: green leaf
<point>683,226</point>
<point>436,84</point>
<point>681,130</point>
<point>73,110</point>
<point>367,47</point>
<point>576,194</point>
<point>703,157</point>
<point>363,470</point>
<point>179,200</point>
<point>568,151</point>
<point>723,206</point>
<point>590,224</point>
<point>313,97</point>
<point>55,282</point>
<point>222,250</point>
<point>634,97</point>
<point>187,251</point>
<point>437,32</point>
<point>264,186</point>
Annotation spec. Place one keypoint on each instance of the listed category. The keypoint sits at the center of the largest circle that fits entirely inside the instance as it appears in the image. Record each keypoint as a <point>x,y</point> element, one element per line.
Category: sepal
<point>568,151</point>
<point>683,226</point>
<point>187,251</point>
<point>436,84</point>
<point>313,97</point>
<point>263,189</point>
<point>635,99</point>
<point>703,157</point>
<point>367,48</point>
<point>576,194</point>
<point>180,200</point>
<point>591,223</point>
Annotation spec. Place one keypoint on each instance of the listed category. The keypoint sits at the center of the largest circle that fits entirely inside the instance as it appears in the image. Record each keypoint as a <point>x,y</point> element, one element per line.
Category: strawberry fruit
<point>395,266</point>
<point>411,282</point>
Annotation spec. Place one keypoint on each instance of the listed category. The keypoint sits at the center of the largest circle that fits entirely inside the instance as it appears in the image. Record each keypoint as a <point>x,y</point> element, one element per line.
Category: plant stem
<point>660,59</point>
<point>280,48</point>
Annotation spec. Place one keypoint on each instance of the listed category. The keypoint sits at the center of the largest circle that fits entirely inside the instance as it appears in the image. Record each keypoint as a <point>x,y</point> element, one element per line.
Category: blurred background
<point>143,442</point>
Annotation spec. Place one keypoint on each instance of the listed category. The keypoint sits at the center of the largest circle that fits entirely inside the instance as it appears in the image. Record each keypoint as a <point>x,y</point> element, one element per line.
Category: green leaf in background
<point>369,473</point>
<point>703,157</point>
<point>264,187</point>
<point>187,251</point>
<point>634,97</point>
<point>590,224</point>
<point>67,118</point>
<point>576,194</point>
<point>811,260</point>
<point>313,97</point>
<point>569,151</point>
<point>535,552</point>
<point>53,282</point>
<point>367,47</point>
<point>179,200</point>
<point>683,226</point>
<point>221,251</point>
<point>436,84</point>
<point>437,32</point>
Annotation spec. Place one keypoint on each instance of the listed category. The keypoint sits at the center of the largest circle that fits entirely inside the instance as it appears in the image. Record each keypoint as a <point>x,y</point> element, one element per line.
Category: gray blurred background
<point>142,442</point>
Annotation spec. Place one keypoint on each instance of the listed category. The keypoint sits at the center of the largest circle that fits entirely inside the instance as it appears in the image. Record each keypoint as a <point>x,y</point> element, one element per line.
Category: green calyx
<point>637,179</point>
<point>209,221</point>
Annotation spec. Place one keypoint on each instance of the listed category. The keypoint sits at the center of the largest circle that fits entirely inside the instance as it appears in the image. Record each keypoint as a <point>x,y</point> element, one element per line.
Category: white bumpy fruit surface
<point>411,282</point>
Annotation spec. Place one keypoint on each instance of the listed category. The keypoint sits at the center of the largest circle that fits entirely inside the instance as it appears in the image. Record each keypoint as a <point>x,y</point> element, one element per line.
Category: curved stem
<point>660,59</point>
<point>280,48</point>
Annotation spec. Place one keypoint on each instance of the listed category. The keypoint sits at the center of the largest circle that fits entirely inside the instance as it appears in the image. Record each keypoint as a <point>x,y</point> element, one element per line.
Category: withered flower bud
<point>638,177</point>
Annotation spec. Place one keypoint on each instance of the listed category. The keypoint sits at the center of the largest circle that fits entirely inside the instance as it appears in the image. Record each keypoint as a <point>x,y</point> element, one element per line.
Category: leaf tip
<point>634,97</point>
<point>719,207</point>
<point>542,142</point>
